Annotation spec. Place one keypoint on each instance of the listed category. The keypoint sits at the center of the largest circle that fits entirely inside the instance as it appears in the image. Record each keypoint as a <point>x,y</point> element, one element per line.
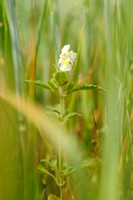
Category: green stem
<point>60,153</point>
<point>61,193</point>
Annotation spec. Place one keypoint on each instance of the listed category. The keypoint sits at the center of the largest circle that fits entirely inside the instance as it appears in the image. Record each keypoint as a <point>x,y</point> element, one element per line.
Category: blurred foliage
<point>32,34</point>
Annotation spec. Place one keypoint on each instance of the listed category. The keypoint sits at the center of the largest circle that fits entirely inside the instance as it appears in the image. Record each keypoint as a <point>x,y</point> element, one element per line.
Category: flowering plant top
<point>67,59</point>
<point>62,84</point>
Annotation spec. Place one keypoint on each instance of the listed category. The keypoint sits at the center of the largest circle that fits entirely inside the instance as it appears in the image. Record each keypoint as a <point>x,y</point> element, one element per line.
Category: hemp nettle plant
<point>62,85</point>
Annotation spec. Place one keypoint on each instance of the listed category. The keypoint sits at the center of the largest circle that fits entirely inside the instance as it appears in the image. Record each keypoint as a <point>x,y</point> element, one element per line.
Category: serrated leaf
<point>52,86</point>
<point>86,87</point>
<point>55,108</point>
<point>53,163</point>
<point>53,115</point>
<point>39,84</point>
<point>70,172</point>
<point>66,113</point>
<point>70,86</point>
<point>53,111</point>
<point>61,78</point>
<point>66,171</point>
<point>53,197</point>
<point>70,115</point>
<point>42,169</point>
<point>45,171</point>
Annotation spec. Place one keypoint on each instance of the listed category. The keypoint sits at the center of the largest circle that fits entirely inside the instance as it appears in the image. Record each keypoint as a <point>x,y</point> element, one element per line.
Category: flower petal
<point>65,67</point>
<point>66,59</point>
<point>65,48</point>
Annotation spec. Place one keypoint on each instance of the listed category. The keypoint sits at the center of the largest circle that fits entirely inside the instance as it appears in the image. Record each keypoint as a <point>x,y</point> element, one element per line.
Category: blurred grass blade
<point>29,171</point>
<point>77,63</point>
<point>14,79</point>
<point>40,28</point>
<point>111,155</point>
<point>76,69</point>
<point>8,8</point>
<point>30,179</point>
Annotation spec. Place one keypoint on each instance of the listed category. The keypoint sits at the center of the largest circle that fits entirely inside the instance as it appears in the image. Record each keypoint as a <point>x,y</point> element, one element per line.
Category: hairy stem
<point>60,153</point>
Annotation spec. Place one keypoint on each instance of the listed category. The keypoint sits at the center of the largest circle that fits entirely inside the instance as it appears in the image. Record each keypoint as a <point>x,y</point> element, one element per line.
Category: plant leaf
<point>86,87</point>
<point>45,171</point>
<point>53,115</point>
<point>53,197</point>
<point>61,78</point>
<point>66,113</point>
<point>45,161</point>
<point>39,84</point>
<point>70,115</point>
<point>55,108</point>
<point>70,86</point>
<point>52,86</point>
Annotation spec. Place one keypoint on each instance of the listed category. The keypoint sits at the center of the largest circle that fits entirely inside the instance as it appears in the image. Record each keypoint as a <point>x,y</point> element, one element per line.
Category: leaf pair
<point>50,85</point>
<point>54,112</point>
<point>52,165</point>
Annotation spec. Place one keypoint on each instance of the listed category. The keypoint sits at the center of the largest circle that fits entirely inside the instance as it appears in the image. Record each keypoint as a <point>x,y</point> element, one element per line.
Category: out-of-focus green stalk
<point>31,187</point>
<point>54,29</point>
<point>111,154</point>
<point>14,79</point>
<point>75,74</point>
<point>41,25</point>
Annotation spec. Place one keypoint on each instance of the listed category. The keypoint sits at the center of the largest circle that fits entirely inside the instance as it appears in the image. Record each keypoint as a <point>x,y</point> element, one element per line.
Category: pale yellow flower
<point>67,59</point>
